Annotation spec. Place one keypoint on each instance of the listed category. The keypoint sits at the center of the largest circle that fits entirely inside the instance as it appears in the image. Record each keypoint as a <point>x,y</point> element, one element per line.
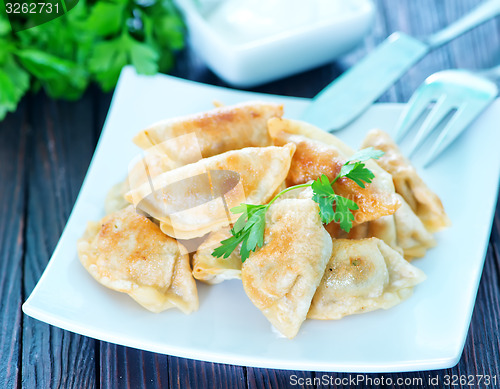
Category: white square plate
<point>427,331</point>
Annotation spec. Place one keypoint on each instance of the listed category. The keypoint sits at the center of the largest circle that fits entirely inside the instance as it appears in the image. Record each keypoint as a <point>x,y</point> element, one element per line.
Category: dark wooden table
<point>45,149</point>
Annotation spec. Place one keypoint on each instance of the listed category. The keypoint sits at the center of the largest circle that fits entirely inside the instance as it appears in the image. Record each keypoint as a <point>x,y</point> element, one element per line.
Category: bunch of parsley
<point>90,43</point>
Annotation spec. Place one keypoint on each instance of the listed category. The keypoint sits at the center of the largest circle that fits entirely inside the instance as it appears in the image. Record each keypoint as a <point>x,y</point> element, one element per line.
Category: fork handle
<point>477,16</point>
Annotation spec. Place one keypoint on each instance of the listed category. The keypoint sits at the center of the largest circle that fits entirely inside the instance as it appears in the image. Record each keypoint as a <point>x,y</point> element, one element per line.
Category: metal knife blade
<point>350,94</point>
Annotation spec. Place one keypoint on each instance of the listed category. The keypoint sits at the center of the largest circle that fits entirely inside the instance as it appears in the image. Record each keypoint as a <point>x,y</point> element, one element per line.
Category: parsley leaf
<point>59,76</point>
<point>325,197</point>
<point>358,173</point>
<point>14,82</point>
<point>250,227</point>
<point>248,230</point>
<point>110,56</point>
<point>366,154</point>
<point>106,63</point>
<point>256,235</point>
<point>4,26</point>
<point>343,212</point>
<point>327,200</point>
<point>228,246</point>
<point>106,18</point>
<point>240,223</point>
<point>91,42</point>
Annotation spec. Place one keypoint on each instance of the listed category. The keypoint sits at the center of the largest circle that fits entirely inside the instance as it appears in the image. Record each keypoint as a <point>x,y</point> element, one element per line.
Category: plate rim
<point>235,358</point>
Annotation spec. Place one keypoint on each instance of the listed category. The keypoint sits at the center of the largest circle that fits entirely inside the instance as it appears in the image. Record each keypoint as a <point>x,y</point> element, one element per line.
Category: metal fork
<point>461,91</point>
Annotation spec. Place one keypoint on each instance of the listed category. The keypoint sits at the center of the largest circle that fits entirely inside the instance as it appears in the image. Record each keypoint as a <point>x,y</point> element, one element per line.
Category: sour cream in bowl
<point>250,42</point>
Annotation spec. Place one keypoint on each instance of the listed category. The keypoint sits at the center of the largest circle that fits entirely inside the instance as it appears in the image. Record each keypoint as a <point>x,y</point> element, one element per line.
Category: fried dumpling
<point>168,155</point>
<point>194,199</point>
<point>277,126</point>
<point>411,234</point>
<point>213,270</point>
<point>383,228</point>
<point>161,158</point>
<point>115,199</point>
<point>281,277</point>
<point>425,203</point>
<point>218,130</point>
<point>177,142</point>
<point>128,253</point>
<point>362,276</point>
<point>403,232</point>
<point>314,157</point>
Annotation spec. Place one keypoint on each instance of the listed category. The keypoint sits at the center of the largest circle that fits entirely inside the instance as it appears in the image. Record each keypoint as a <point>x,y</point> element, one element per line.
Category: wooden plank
<point>123,367</point>
<point>481,354</point>
<point>13,157</point>
<point>188,373</point>
<point>271,378</point>
<point>60,152</point>
<point>420,19</point>
<point>482,351</point>
<point>118,366</point>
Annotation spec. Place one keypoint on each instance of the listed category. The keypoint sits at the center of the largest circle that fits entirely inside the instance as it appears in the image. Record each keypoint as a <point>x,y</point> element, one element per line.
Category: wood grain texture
<point>13,157</point>
<point>45,149</point>
<point>123,367</point>
<point>477,49</point>
<point>188,373</point>
<point>419,19</point>
<point>270,378</point>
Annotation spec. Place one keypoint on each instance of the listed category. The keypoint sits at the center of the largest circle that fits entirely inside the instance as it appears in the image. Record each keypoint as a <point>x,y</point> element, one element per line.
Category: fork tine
<point>443,106</point>
<point>413,109</point>
<point>460,121</point>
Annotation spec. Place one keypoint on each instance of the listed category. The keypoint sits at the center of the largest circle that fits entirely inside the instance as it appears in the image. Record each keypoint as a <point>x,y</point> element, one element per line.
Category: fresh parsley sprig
<point>249,228</point>
<point>90,43</point>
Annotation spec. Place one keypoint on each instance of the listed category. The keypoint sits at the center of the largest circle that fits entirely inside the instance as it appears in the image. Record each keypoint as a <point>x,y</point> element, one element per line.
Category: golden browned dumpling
<point>168,155</point>
<point>218,130</point>
<point>411,234</point>
<point>128,253</point>
<point>281,278</point>
<point>403,231</point>
<point>425,203</point>
<point>382,180</point>
<point>115,199</point>
<point>361,276</point>
<point>315,157</point>
<point>194,199</point>
<point>383,228</point>
<point>151,165</point>
<point>214,270</point>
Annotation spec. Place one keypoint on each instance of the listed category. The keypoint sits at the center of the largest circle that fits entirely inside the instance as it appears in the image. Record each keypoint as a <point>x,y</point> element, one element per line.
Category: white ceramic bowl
<point>279,54</point>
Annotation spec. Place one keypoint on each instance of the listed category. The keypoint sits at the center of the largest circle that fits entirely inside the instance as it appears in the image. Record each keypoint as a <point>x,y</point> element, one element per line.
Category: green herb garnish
<point>249,228</point>
<point>90,43</point>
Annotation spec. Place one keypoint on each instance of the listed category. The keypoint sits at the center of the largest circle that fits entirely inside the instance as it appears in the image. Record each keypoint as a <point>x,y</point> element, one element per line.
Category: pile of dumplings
<point>164,221</point>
